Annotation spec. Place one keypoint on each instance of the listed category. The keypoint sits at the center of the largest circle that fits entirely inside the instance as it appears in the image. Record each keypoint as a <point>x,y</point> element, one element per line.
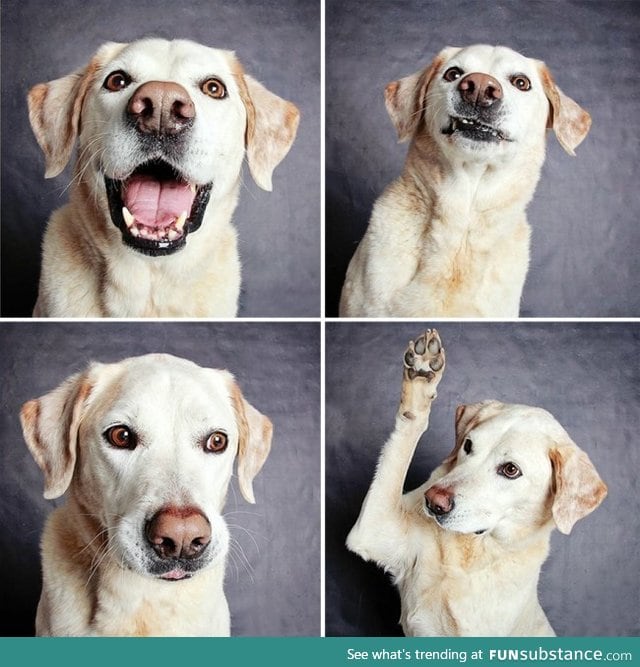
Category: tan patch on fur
<point>569,121</point>
<point>241,419</point>
<point>73,413</point>
<point>405,100</point>
<point>577,486</point>
<point>238,73</point>
<point>30,418</point>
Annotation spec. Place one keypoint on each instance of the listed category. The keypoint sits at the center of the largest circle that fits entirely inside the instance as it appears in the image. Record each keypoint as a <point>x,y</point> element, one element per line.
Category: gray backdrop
<point>273,576</point>
<point>585,212</point>
<point>587,375</point>
<point>278,43</point>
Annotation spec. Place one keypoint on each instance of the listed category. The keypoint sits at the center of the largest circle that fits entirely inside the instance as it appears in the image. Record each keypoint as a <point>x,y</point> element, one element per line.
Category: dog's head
<point>485,102</point>
<point>512,471</point>
<point>146,446</point>
<point>162,128</point>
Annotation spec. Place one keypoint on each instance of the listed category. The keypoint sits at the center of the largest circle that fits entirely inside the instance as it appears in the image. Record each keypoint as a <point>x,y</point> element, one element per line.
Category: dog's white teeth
<point>134,231</point>
<point>128,217</point>
<point>173,235</point>
<point>193,188</point>
<point>181,220</point>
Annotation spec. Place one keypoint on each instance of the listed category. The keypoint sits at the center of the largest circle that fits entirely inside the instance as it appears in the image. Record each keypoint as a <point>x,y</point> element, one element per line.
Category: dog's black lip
<point>159,567</point>
<point>474,128</point>
<point>151,247</point>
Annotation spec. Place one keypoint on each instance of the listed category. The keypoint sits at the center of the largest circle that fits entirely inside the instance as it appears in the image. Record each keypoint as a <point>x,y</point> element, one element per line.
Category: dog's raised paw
<point>425,357</point>
<point>424,362</point>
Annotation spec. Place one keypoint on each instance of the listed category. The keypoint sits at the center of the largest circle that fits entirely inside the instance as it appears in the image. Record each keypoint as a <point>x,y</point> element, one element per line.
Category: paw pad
<point>425,356</point>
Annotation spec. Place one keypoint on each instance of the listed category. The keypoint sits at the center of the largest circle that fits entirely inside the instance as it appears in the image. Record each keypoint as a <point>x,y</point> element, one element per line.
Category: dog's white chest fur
<point>455,254</point>
<point>440,594</point>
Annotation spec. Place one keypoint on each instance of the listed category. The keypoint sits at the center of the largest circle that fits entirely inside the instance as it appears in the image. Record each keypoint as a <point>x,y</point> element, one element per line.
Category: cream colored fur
<point>449,237</point>
<point>87,271</point>
<point>101,575</point>
<point>453,581</point>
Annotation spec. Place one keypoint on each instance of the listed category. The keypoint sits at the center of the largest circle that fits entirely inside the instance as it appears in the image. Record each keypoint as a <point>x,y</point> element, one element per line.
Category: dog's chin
<point>170,570</point>
<point>162,232</point>
<point>446,523</point>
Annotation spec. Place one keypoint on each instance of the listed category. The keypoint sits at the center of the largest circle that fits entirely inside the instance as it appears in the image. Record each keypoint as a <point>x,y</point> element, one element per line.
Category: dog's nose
<point>480,89</point>
<point>161,107</point>
<point>439,500</point>
<point>176,532</point>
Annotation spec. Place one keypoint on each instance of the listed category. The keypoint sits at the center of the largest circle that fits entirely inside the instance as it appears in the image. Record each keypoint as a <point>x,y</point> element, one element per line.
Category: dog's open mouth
<point>473,129</point>
<point>155,208</point>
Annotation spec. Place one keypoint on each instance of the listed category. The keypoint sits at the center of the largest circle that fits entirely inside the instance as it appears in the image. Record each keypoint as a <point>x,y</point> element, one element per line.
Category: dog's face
<point>486,99</point>
<point>514,468</point>
<point>485,103</point>
<point>162,128</point>
<point>149,454</point>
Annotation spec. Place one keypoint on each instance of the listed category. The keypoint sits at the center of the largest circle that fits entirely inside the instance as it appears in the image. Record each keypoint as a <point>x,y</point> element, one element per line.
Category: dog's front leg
<point>381,532</point>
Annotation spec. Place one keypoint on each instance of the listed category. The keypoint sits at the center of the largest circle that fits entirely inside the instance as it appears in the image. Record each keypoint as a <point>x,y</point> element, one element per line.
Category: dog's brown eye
<point>509,470</point>
<point>521,82</point>
<point>116,81</point>
<point>217,442</point>
<point>214,88</point>
<point>468,445</point>
<point>121,436</point>
<point>452,74</point>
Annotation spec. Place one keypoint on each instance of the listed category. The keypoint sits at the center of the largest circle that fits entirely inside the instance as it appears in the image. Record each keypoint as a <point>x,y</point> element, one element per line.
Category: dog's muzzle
<point>477,109</point>
<point>155,207</point>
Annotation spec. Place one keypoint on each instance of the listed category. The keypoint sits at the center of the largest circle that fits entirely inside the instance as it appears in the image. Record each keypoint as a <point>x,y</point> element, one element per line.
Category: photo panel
<point>277,47</point>
<point>585,374</point>
<point>584,210</point>
<point>272,576</point>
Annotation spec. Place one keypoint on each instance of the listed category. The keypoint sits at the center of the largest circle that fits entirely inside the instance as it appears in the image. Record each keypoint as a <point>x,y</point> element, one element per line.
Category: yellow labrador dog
<point>465,549</point>
<point>145,449</point>
<point>449,237</point>
<point>162,128</point>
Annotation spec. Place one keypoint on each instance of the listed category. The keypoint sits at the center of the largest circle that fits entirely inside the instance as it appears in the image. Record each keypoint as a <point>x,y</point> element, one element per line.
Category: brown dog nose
<point>176,532</point>
<point>480,89</point>
<point>161,107</point>
<point>439,500</point>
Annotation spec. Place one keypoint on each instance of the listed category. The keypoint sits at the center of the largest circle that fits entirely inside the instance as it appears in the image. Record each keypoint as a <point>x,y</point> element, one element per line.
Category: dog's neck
<point>474,186</point>
<point>482,550</point>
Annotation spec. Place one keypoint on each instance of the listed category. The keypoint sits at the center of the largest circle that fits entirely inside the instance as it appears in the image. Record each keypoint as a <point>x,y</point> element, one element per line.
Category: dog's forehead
<point>521,424</point>
<point>492,59</point>
<point>162,379</point>
<point>165,58</point>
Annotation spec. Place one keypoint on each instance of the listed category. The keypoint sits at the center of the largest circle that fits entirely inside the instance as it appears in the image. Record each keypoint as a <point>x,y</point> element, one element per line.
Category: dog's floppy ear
<point>55,110</point>
<point>569,120</point>
<point>577,486</point>
<point>405,98</point>
<point>255,431</point>
<point>50,427</point>
<point>272,124</point>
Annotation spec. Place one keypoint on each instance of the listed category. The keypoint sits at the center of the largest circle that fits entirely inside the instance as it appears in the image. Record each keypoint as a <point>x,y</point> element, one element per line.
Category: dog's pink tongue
<point>156,203</point>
